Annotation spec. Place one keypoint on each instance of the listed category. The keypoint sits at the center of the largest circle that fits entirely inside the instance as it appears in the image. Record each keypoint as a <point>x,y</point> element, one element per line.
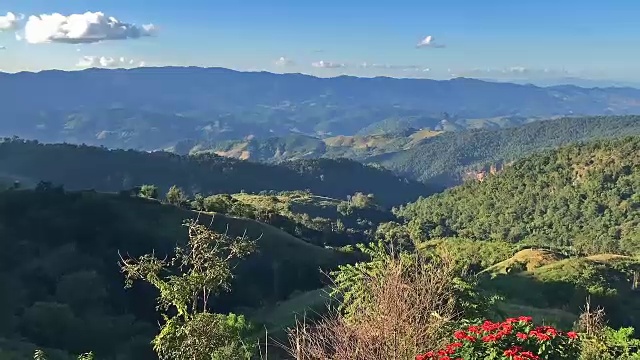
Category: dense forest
<point>85,167</point>
<point>584,196</point>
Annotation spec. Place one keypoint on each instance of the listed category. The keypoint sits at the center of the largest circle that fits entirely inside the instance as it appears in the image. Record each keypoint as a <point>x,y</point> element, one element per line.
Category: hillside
<point>447,158</point>
<point>159,108</point>
<point>441,159</point>
<point>61,284</point>
<point>582,196</point>
<point>536,279</point>
<point>293,147</point>
<point>85,167</point>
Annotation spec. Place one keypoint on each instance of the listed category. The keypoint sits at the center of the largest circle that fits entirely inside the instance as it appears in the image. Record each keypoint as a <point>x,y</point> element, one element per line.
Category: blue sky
<point>493,38</point>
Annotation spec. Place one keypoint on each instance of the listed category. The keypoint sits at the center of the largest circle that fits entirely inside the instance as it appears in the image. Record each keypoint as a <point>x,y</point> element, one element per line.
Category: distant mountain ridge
<point>158,108</point>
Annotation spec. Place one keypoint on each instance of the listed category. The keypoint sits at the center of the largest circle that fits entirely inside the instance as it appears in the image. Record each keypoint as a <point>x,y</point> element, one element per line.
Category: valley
<point>532,211</point>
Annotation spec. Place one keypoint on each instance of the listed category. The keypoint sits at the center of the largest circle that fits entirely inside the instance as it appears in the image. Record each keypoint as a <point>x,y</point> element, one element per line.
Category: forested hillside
<point>85,167</point>
<point>583,196</point>
<point>548,232</point>
<point>445,159</point>
<point>62,289</point>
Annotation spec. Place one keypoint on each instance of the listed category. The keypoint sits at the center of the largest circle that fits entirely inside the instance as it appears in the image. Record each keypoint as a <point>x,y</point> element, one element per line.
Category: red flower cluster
<point>515,338</point>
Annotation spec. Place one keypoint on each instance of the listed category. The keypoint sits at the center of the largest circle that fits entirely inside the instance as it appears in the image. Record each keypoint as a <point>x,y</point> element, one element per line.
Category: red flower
<point>513,351</point>
<point>521,336</point>
<point>526,319</point>
<point>572,335</point>
<point>529,355</point>
<point>539,335</point>
<point>460,335</point>
<point>474,329</point>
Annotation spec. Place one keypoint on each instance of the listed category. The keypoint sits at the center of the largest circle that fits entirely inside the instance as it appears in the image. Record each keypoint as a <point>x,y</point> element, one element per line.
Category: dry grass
<point>528,259</point>
<point>608,257</point>
<point>407,313</point>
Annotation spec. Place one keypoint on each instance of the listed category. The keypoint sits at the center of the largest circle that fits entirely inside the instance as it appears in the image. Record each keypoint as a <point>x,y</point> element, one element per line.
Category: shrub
<point>515,338</point>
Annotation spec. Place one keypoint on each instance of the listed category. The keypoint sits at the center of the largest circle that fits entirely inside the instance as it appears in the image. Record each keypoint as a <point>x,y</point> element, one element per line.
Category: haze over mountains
<point>160,108</point>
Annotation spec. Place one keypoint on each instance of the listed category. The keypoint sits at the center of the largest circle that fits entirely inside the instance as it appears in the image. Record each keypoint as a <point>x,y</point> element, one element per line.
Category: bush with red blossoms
<point>513,339</point>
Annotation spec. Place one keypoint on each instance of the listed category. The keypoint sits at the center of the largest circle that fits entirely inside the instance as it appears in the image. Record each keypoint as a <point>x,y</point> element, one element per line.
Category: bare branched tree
<point>592,321</point>
<point>408,304</point>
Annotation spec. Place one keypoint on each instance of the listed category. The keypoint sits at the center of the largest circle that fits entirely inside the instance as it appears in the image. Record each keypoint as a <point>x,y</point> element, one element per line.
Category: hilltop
<point>554,287</point>
<point>86,167</point>
<point>159,108</point>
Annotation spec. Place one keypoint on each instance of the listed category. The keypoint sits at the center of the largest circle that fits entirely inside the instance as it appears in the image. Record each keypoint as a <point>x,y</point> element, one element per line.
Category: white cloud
<point>429,41</point>
<point>283,61</point>
<point>108,62</point>
<point>10,21</point>
<point>327,64</point>
<point>81,28</point>
<point>2,47</point>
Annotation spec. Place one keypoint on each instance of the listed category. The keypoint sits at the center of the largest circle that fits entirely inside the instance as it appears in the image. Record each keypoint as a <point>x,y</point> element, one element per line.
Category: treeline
<point>346,223</point>
<point>581,196</point>
<point>79,167</point>
<point>443,160</point>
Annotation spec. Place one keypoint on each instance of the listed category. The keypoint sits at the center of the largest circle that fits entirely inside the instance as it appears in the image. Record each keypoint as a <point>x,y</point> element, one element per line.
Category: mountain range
<point>183,107</point>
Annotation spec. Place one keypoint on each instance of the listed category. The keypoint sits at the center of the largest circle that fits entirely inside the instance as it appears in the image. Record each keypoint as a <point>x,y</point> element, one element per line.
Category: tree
<point>198,202</point>
<point>176,196</point>
<point>362,201</point>
<point>186,282</point>
<point>149,191</point>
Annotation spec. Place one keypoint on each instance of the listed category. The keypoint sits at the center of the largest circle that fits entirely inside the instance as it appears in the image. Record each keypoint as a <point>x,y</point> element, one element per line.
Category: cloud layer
<point>89,27</point>
<point>10,21</point>
<point>107,62</point>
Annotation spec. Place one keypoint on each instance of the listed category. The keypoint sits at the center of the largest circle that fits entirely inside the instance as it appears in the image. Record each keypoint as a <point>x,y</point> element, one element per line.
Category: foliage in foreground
<point>391,307</point>
<point>186,282</point>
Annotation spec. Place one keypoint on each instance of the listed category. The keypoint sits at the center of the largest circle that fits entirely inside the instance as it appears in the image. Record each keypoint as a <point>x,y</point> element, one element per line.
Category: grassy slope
<point>163,219</point>
<point>554,288</point>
